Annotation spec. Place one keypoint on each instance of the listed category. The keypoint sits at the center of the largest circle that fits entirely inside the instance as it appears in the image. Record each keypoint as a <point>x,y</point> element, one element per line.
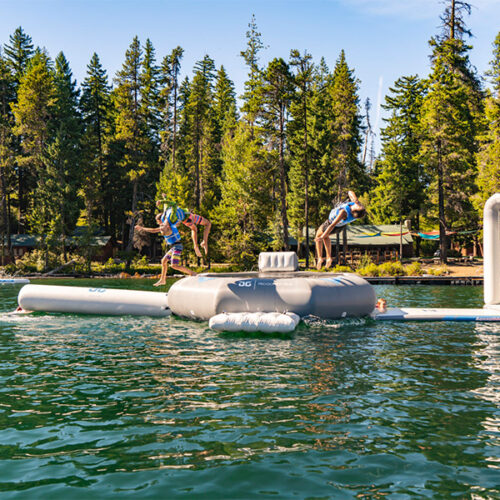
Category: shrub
<point>365,261</point>
<point>391,269</point>
<point>413,269</point>
<point>342,269</point>
<point>369,270</point>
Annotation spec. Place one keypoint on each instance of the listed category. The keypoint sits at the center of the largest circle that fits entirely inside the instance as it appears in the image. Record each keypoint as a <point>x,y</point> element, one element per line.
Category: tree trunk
<point>443,243</point>
<point>283,183</point>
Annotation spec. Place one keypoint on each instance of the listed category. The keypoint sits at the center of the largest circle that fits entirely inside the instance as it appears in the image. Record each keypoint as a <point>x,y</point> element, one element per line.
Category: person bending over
<point>172,238</point>
<point>340,216</point>
<point>189,219</point>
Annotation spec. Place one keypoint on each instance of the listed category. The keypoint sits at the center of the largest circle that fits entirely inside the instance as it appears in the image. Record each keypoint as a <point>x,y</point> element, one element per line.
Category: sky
<point>383,39</point>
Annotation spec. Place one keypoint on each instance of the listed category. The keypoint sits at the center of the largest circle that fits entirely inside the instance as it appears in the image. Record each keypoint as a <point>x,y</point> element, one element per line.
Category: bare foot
<point>204,246</point>
<point>197,251</point>
<point>319,264</point>
<point>160,283</point>
<point>329,263</point>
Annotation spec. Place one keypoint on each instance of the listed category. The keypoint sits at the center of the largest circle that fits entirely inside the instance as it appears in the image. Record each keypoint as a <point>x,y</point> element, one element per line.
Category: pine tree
<point>450,119</point>
<point>95,104</point>
<point>299,143</point>
<point>345,129</point>
<point>64,153</point>
<point>130,126</point>
<point>242,216</point>
<point>400,182</point>
<point>488,157</point>
<point>224,104</point>
<point>277,94</point>
<point>18,54</point>
<point>33,112</point>
<point>169,95</point>
<point>7,153</point>
<point>251,96</point>
<point>201,155</point>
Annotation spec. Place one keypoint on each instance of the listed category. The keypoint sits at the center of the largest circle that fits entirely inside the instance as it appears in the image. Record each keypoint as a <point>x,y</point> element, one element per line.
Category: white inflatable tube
<point>80,300</point>
<point>254,322</point>
<point>491,249</point>
<point>14,281</point>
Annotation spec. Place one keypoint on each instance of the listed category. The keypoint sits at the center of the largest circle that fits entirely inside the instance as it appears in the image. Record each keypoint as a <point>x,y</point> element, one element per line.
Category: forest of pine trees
<point>261,166</point>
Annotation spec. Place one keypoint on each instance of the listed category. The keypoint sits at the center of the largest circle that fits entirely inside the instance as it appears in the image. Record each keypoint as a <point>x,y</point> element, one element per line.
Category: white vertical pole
<point>491,249</point>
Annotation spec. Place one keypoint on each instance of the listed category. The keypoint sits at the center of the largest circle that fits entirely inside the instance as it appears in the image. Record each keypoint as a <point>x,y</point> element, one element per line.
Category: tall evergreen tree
<point>33,112</point>
<point>450,119</point>
<point>7,154</point>
<point>251,96</point>
<point>202,154</point>
<point>63,160</point>
<point>18,53</point>
<point>130,126</point>
<point>299,143</point>
<point>95,104</point>
<point>242,216</point>
<point>345,129</point>
<point>488,157</point>
<point>277,94</point>
<point>400,183</point>
<point>170,70</point>
<point>224,103</point>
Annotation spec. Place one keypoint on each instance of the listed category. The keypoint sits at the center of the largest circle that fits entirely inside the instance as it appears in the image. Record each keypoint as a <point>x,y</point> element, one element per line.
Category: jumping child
<point>172,237</point>
<point>189,219</point>
<point>340,216</point>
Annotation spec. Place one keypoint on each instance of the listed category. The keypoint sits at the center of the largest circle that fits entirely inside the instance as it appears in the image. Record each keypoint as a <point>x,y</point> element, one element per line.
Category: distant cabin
<point>25,243</point>
<point>382,242</point>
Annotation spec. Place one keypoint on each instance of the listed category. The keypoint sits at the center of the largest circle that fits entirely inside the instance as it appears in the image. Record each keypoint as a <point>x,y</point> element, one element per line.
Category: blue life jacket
<point>175,236</point>
<point>343,206</point>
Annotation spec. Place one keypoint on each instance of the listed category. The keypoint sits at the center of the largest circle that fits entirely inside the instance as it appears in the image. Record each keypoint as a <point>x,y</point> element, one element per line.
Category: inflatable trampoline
<point>326,295</point>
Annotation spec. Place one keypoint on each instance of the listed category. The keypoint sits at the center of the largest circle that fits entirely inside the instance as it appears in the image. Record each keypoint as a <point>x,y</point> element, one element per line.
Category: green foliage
<point>241,217</point>
<point>449,122</point>
<point>368,270</point>
<point>488,156</point>
<point>342,269</point>
<point>399,191</point>
<point>414,269</point>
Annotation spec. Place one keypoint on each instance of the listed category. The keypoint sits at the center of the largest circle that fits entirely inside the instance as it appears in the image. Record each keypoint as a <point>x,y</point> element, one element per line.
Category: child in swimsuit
<point>189,219</point>
<point>340,216</point>
<point>172,237</point>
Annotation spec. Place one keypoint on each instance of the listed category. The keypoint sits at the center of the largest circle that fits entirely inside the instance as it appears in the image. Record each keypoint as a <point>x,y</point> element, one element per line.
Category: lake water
<point>135,407</point>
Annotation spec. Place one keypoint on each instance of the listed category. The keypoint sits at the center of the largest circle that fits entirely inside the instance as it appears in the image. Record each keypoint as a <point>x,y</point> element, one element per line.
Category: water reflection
<point>338,409</point>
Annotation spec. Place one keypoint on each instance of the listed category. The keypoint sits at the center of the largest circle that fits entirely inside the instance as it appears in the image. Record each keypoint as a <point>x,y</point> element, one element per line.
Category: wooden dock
<point>426,280</point>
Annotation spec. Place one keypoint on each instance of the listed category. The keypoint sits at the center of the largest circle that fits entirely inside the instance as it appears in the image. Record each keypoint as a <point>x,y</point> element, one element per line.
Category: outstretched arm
<point>353,197</point>
<point>147,229</point>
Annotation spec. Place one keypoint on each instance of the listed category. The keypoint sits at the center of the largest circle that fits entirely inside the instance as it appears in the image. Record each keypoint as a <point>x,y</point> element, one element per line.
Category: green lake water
<point>136,407</point>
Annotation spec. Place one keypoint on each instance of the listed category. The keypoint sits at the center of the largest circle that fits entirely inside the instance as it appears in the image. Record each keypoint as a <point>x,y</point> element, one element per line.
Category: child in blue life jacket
<point>190,220</point>
<point>340,216</point>
<point>172,237</point>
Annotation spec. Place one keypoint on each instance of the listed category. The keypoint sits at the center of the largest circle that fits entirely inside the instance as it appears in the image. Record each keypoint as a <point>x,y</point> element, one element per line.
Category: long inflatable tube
<point>14,281</point>
<point>491,249</point>
<point>326,295</point>
<point>80,300</point>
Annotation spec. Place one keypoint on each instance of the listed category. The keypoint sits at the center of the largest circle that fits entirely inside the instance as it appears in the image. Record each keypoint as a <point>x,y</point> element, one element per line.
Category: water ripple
<point>124,406</point>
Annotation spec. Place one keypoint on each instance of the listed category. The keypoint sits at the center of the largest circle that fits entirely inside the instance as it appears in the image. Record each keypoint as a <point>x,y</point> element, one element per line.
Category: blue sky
<point>383,39</point>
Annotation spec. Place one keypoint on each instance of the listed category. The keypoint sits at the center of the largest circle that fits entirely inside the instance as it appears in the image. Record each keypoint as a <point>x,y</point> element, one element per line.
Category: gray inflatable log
<point>326,295</point>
